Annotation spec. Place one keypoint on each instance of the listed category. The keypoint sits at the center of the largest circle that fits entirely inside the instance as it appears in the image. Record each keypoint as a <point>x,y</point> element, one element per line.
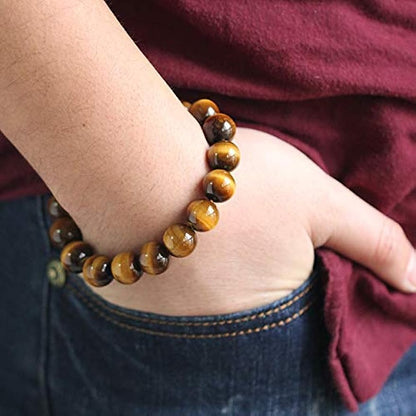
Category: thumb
<point>357,230</point>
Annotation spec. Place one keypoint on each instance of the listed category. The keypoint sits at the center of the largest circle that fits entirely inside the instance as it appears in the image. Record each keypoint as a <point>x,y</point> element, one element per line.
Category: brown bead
<point>62,231</point>
<point>125,268</point>
<point>97,270</point>
<point>54,208</point>
<point>218,185</point>
<point>154,258</point>
<point>74,254</point>
<point>180,240</point>
<point>202,214</point>
<point>223,155</point>
<point>186,104</point>
<point>202,109</point>
<point>219,127</point>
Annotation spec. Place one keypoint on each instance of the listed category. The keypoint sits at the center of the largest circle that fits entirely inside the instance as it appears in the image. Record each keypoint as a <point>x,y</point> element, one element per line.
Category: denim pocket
<point>106,359</point>
<point>278,313</point>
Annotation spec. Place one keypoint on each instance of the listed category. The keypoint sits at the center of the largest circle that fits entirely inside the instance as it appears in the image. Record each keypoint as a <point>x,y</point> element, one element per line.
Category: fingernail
<point>411,270</point>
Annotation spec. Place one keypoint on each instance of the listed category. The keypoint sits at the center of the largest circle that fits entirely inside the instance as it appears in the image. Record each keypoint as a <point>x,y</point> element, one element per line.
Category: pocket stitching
<point>258,315</point>
<point>266,327</point>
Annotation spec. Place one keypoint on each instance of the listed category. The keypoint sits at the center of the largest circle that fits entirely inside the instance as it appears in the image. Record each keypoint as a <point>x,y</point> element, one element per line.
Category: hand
<point>284,207</point>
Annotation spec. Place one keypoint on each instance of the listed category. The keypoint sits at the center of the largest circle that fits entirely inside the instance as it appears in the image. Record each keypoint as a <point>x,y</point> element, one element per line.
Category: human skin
<point>122,155</point>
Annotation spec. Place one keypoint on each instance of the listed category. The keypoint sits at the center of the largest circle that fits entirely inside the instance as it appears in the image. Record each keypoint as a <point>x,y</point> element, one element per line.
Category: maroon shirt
<point>337,80</point>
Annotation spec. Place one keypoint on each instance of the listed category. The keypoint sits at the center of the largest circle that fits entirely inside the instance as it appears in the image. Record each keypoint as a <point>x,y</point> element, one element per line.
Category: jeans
<point>66,351</point>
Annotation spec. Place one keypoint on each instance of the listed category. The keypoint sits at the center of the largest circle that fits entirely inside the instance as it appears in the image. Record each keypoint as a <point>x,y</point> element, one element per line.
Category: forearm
<point>90,113</point>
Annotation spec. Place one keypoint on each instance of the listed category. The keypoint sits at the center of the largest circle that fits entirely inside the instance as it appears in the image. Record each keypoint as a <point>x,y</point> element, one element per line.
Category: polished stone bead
<point>126,268</point>
<point>154,257</point>
<point>74,254</point>
<point>218,185</point>
<point>180,240</point>
<point>186,104</point>
<point>97,270</point>
<point>202,214</point>
<point>223,155</point>
<point>62,231</point>
<point>54,208</point>
<point>202,109</point>
<point>219,127</point>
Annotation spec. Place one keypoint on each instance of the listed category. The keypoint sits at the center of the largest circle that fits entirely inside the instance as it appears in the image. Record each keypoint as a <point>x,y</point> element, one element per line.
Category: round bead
<point>186,104</point>
<point>97,270</point>
<point>154,258</point>
<point>74,254</point>
<point>202,109</point>
<point>180,240</point>
<point>218,185</point>
<point>54,209</point>
<point>202,214</point>
<point>219,127</point>
<point>62,231</point>
<point>223,155</point>
<point>125,268</point>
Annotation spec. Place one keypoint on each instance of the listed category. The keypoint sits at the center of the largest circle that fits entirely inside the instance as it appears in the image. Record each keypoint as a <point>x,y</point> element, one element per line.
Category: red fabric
<point>337,79</point>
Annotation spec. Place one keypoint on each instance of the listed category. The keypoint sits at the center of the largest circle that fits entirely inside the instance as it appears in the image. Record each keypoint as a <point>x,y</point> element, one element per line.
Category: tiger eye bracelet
<point>178,240</point>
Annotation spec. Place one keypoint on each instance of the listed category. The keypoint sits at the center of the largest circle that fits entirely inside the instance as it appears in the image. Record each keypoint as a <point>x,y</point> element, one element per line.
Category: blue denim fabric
<point>66,351</point>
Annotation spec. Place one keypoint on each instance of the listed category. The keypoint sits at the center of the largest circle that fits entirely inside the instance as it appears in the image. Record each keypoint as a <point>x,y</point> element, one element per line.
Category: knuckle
<point>390,238</point>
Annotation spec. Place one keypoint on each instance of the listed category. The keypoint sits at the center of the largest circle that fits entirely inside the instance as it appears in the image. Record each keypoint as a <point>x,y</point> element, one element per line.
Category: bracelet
<point>179,240</point>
